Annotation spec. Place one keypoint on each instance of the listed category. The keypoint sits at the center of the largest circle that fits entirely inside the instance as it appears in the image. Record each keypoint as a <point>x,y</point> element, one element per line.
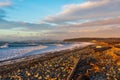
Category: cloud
<point>2,14</point>
<point>100,28</point>
<point>101,16</point>
<point>89,10</point>
<point>98,23</point>
<point>99,32</point>
<point>5,3</point>
<point>18,26</point>
<point>22,26</point>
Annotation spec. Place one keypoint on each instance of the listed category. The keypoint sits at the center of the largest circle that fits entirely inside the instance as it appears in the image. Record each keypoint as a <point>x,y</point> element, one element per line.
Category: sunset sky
<point>58,19</point>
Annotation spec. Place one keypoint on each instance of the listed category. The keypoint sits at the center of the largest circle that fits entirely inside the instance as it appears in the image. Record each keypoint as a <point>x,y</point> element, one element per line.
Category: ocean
<point>16,50</point>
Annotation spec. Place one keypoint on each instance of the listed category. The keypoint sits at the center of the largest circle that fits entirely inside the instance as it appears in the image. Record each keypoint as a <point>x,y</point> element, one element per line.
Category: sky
<point>58,19</point>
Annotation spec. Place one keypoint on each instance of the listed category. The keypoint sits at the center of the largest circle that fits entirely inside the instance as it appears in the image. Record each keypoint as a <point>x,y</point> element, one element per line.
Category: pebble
<point>95,65</point>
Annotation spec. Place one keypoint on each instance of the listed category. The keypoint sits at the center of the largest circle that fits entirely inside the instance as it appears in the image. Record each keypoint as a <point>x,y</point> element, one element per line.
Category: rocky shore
<point>103,63</point>
<point>95,62</point>
<point>52,66</point>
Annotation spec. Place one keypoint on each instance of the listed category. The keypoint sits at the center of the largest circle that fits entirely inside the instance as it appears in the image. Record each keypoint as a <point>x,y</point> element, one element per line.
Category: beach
<point>99,61</point>
<point>55,62</point>
<point>59,40</point>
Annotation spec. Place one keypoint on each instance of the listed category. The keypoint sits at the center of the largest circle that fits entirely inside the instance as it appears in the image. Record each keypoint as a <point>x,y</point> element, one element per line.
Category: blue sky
<point>33,11</point>
<point>58,19</point>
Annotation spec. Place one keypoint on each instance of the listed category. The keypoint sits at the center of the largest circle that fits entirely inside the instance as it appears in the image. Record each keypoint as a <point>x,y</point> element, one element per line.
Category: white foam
<point>19,52</point>
<point>16,52</point>
<point>4,46</point>
<point>59,45</point>
<point>72,46</point>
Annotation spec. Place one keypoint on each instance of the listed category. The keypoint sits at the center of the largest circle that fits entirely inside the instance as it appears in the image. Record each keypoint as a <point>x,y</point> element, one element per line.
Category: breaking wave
<point>16,52</point>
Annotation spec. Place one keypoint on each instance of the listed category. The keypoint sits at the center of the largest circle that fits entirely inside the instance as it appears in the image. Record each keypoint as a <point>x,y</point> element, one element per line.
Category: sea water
<point>14,50</point>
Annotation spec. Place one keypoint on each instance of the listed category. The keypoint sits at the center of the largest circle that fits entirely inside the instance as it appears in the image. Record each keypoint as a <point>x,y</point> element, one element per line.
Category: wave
<point>4,45</point>
<point>17,52</point>
<point>59,45</point>
<point>69,47</point>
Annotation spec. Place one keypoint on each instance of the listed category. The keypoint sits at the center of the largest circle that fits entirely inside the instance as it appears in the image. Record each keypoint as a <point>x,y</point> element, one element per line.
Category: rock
<point>27,73</point>
<point>40,77</point>
<point>36,75</point>
<point>83,77</point>
<point>117,53</point>
<point>117,46</point>
<point>99,49</point>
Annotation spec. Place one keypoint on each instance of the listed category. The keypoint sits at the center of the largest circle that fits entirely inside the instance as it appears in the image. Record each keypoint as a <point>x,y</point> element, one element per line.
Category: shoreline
<point>97,61</point>
<point>27,58</point>
<point>8,66</point>
<point>65,47</point>
<point>23,58</point>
